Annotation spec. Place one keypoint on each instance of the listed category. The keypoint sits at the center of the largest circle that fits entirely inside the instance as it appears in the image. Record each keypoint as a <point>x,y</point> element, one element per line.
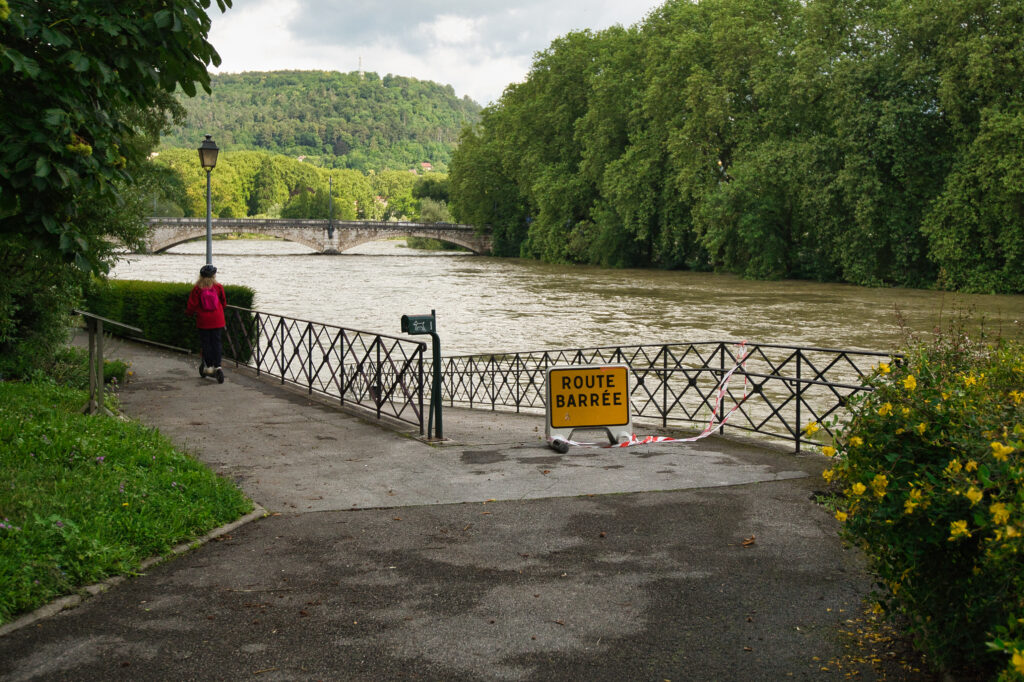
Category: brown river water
<point>487,305</point>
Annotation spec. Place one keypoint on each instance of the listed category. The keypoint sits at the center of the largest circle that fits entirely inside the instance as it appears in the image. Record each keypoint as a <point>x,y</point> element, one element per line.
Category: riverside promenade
<point>486,557</point>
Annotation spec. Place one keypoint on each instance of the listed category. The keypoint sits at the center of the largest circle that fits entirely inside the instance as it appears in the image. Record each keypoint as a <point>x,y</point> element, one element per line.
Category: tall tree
<point>85,88</point>
<point>72,74</point>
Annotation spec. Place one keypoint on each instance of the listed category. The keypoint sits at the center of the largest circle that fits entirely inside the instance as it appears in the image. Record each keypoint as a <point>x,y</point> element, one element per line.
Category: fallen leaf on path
<point>749,541</point>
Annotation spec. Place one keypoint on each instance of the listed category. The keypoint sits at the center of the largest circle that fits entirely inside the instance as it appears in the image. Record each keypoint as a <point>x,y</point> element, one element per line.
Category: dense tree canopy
<point>80,83</point>
<point>337,120</point>
<point>878,143</point>
<point>85,90</point>
<point>265,185</point>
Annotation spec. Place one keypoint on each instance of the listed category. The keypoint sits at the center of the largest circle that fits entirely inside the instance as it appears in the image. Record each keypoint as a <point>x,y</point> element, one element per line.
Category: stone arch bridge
<point>167,232</point>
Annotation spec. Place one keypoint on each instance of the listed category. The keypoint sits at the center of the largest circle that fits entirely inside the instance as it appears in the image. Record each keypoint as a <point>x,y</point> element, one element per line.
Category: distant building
<point>426,167</point>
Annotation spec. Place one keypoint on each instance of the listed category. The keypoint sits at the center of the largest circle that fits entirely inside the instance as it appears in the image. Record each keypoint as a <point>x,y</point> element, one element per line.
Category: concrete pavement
<point>488,557</point>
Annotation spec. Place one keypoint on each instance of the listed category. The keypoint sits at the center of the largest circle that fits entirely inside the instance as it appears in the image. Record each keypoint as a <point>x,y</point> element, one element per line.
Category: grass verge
<point>86,497</point>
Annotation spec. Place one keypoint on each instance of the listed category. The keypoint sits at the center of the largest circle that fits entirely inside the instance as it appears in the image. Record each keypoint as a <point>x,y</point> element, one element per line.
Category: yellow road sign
<point>590,396</point>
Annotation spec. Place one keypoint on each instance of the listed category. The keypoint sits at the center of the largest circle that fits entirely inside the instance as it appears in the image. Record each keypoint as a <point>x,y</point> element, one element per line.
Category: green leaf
<point>22,64</point>
<point>162,18</point>
<point>79,62</point>
<point>42,167</point>
<point>54,117</point>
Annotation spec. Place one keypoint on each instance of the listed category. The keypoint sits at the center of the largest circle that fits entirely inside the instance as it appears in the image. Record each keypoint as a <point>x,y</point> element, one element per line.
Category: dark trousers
<point>209,339</point>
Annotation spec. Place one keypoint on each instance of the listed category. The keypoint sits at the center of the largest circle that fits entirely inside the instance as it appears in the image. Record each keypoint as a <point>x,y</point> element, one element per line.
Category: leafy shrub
<point>930,469</point>
<point>71,368</point>
<point>37,294</point>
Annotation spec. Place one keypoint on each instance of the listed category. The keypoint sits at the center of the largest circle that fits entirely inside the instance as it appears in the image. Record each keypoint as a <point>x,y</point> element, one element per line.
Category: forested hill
<point>337,120</point>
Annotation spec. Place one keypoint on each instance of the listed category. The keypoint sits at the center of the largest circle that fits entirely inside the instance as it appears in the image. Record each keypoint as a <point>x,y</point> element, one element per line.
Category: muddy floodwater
<point>495,304</point>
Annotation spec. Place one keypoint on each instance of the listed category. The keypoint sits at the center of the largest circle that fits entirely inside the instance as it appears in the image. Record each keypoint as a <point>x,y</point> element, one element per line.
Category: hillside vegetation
<point>336,120</point>
<point>267,185</point>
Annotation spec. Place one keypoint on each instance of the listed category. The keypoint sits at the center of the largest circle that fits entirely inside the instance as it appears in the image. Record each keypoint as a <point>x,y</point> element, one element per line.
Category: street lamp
<point>208,159</point>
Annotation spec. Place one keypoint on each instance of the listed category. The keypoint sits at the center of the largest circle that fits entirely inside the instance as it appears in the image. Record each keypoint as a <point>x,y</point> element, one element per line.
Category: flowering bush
<point>928,476</point>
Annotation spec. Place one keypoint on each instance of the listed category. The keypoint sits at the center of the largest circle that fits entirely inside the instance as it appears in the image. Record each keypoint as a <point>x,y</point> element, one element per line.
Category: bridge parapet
<point>167,232</point>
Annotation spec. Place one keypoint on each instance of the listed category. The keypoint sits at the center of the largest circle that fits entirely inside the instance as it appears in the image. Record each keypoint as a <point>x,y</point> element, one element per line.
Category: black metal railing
<point>380,374</point>
<point>777,391</point>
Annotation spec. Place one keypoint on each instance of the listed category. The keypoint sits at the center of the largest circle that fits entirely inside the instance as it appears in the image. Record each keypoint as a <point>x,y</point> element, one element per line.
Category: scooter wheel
<point>202,369</point>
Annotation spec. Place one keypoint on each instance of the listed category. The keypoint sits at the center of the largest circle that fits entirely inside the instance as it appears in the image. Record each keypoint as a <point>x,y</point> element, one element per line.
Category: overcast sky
<point>476,46</point>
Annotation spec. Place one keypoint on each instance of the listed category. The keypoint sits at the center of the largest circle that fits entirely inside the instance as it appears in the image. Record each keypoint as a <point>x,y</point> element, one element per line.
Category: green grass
<point>86,497</point>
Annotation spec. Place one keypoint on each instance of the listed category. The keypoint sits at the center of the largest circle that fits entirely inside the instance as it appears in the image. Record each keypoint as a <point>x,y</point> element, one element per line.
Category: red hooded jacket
<point>207,319</point>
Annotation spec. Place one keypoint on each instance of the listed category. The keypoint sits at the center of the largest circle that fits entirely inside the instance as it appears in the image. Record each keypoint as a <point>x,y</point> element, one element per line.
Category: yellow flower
<point>1000,513</point>
<point>945,396</point>
<point>828,474</point>
<point>912,501</point>
<point>885,410</point>
<point>1018,661</point>
<point>910,383</point>
<point>921,427</point>
<point>971,466</point>
<point>974,495</point>
<point>1018,397</point>
<point>953,468</point>
<point>828,451</point>
<point>883,367</point>
<point>878,484</point>
<point>856,442</point>
<point>812,428</point>
<point>1000,451</point>
<point>958,529</point>
<point>858,488</point>
<point>905,411</point>
<point>841,516</point>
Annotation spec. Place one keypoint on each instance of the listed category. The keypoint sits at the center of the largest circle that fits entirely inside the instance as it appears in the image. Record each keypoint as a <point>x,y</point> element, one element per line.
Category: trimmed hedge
<point>157,308</point>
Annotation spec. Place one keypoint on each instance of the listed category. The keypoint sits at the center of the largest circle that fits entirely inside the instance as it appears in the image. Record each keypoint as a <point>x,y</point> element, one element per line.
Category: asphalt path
<point>487,557</point>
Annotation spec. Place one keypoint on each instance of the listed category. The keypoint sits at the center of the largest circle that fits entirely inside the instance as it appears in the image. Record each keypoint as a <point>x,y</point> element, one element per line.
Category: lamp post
<point>208,159</point>
<point>330,207</point>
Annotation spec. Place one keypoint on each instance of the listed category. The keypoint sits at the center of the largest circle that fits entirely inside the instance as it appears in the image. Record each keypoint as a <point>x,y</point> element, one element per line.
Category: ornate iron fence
<point>380,374</point>
<point>777,391</point>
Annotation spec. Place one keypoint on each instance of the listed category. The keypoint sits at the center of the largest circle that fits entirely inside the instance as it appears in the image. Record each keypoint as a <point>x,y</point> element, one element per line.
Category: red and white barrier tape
<point>714,423</point>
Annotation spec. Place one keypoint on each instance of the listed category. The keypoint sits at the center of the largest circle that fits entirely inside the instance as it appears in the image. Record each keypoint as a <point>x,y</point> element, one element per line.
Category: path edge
<point>72,600</point>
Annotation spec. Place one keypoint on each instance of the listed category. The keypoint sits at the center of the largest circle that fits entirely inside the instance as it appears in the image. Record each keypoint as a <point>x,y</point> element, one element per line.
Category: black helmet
<point>207,271</point>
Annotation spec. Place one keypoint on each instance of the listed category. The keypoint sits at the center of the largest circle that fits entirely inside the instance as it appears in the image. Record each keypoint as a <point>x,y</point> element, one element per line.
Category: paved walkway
<point>488,558</point>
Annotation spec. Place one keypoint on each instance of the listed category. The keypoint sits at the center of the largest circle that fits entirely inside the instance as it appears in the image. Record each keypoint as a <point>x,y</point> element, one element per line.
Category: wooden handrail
<point>94,323</point>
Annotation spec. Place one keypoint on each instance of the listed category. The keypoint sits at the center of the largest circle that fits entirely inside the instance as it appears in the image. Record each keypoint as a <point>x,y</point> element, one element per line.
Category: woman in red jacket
<point>206,302</point>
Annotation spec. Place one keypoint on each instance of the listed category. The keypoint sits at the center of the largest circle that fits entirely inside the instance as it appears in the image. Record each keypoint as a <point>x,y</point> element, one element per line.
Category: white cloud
<point>478,48</point>
<point>447,29</point>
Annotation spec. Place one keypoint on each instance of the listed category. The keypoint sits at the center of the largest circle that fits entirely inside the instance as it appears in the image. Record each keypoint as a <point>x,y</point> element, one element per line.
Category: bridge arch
<point>165,233</point>
<point>161,243</point>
